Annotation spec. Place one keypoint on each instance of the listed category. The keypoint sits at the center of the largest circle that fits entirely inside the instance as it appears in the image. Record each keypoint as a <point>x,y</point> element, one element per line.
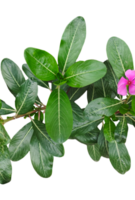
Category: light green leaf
<point>46,142</point>
<point>19,145</point>
<point>71,43</point>
<point>26,97</point>
<point>119,56</point>
<point>93,151</point>
<point>5,165</point>
<point>58,116</point>
<point>42,64</point>
<point>119,157</point>
<point>41,160</point>
<point>82,73</point>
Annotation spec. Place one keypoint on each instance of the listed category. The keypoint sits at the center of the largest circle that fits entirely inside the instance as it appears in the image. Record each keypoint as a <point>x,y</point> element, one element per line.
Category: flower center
<point>129,82</point>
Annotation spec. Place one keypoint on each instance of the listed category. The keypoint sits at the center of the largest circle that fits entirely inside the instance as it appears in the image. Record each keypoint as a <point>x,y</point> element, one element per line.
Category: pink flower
<point>122,84</point>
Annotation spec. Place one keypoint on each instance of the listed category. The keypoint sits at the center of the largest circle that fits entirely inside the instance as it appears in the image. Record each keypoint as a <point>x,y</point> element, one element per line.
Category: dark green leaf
<point>133,103</point>
<point>39,117</point>
<point>45,141</point>
<point>76,93</point>
<point>7,109</point>
<point>119,157</point>
<point>26,97</point>
<point>41,160</point>
<point>101,106</point>
<point>31,76</point>
<point>93,151</point>
<point>11,74</point>
<point>19,145</point>
<point>124,108</point>
<point>103,145</point>
<point>109,129</point>
<point>4,137</point>
<point>5,165</point>
<point>121,130</point>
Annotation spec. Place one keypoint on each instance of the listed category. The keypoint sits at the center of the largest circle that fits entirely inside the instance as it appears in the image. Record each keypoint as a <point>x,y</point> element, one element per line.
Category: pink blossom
<point>130,81</point>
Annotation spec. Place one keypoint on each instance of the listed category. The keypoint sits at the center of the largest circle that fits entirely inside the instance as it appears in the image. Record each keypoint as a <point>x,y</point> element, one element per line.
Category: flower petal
<point>132,89</point>
<point>122,89</point>
<point>130,74</point>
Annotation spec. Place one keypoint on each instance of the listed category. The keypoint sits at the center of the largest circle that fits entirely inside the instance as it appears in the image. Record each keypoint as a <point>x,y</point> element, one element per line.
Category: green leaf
<point>31,76</point>
<point>101,106</point>
<point>58,116</point>
<point>42,64</point>
<point>4,137</point>
<point>12,75</point>
<point>5,165</point>
<point>119,56</point>
<point>41,160</point>
<point>109,128</point>
<point>93,151</point>
<point>103,145</point>
<point>26,97</point>
<point>46,142</point>
<point>76,93</point>
<point>119,157</point>
<point>40,118</point>
<point>71,43</point>
<point>19,145</point>
<point>82,73</point>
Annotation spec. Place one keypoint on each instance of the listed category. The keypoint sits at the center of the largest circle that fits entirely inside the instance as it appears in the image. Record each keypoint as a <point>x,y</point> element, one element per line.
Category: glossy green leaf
<point>41,160</point>
<point>4,137</point>
<point>119,56</point>
<point>71,43</point>
<point>119,157</point>
<point>101,106</point>
<point>109,128</point>
<point>103,145</point>
<point>76,93</point>
<point>46,142</point>
<point>93,151</point>
<point>26,97</point>
<point>31,76</point>
<point>121,130</point>
<point>19,145</point>
<point>42,64</point>
<point>39,117</point>
<point>82,73</point>
<point>12,75</point>
<point>5,165</point>
<point>58,116</point>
